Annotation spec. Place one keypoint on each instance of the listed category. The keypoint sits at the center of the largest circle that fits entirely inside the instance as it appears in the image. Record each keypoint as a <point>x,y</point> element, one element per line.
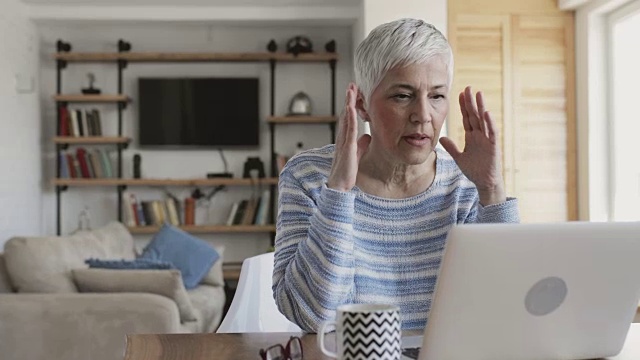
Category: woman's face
<point>407,110</point>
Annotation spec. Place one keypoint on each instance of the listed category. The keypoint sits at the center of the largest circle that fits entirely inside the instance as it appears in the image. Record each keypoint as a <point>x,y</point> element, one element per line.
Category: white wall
<point>377,12</point>
<point>179,12</point>
<point>20,158</point>
<point>311,78</point>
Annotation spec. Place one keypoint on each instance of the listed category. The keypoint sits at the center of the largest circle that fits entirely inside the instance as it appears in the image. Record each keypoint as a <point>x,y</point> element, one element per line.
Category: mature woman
<point>365,220</point>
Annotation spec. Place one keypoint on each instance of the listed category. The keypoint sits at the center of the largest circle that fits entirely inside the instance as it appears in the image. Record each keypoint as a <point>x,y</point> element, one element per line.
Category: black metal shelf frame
<point>330,47</point>
<point>62,46</point>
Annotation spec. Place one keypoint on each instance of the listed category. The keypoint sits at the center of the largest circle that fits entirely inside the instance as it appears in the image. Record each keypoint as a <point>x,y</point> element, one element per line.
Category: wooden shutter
<point>544,131</point>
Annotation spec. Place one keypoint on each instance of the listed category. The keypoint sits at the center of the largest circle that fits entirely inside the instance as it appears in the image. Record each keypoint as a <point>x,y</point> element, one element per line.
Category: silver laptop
<point>533,291</point>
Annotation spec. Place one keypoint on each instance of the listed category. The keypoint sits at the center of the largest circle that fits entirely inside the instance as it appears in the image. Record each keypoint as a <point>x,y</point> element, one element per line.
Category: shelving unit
<point>122,58</point>
<point>62,100</point>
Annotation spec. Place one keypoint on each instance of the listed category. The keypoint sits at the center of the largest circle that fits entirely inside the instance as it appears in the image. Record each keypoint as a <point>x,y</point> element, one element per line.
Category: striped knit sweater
<point>336,247</point>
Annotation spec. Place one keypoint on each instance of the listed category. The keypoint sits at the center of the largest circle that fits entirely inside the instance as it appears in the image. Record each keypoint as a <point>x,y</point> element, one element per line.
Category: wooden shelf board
<point>86,56</point>
<point>201,229</point>
<point>231,274</point>
<point>194,57</point>
<point>302,119</point>
<point>87,182</point>
<point>91,140</point>
<point>164,182</point>
<point>312,57</point>
<point>198,182</point>
<point>101,98</point>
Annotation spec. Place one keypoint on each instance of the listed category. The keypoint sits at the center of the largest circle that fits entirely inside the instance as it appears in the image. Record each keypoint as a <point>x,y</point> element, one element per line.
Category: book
<point>255,218</point>
<point>250,211</point>
<point>76,166</point>
<point>75,131</point>
<point>72,163</point>
<point>148,213</point>
<point>159,211</point>
<point>82,161</point>
<point>133,203</point>
<point>237,219</point>
<point>64,167</point>
<point>127,211</point>
<point>97,122</point>
<point>174,219</point>
<point>105,160</point>
<point>264,207</point>
<point>189,211</point>
<point>87,123</point>
<point>79,122</point>
<point>92,174</point>
<point>64,121</point>
<point>97,164</point>
<point>232,213</point>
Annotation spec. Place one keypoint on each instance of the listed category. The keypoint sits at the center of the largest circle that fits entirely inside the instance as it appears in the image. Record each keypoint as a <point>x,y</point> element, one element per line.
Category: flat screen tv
<point>198,112</point>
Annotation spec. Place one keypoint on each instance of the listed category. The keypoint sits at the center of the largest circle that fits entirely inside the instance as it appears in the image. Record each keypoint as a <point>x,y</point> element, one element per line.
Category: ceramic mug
<point>365,331</point>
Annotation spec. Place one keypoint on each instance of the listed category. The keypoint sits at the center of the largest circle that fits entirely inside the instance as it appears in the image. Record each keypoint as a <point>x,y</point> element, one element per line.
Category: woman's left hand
<point>480,161</point>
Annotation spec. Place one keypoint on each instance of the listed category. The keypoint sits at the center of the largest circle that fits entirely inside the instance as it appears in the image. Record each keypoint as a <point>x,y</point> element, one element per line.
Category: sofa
<point>52,306</point>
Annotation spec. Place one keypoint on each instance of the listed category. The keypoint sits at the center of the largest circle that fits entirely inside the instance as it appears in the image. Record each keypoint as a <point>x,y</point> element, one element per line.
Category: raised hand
<point>480,161</point>
<point>349,149</point>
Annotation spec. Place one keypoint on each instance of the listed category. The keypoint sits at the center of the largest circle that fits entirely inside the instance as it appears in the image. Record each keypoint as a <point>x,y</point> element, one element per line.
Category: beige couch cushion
<point>44,264</point>
<point>209,303</point>
<point>5,283</point>
<point>161,282</point>
<point>215,277</point>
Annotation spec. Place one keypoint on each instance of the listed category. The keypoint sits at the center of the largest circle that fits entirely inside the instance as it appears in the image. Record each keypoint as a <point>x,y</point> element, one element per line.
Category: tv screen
<point>198,112</point>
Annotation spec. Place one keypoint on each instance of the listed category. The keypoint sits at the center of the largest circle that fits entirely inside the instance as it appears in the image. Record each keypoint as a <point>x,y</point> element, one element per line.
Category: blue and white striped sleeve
<point>506,212</point>
<point>314,263</point>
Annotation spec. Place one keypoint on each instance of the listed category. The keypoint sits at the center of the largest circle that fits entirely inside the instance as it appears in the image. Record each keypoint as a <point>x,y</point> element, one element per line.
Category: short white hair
<point>401,42</point>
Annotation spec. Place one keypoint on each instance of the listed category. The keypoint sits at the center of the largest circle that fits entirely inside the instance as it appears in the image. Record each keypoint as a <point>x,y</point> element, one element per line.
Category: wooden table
<point>246,346</point>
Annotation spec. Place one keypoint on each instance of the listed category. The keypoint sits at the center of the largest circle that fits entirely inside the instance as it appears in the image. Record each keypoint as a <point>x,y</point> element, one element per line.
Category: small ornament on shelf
<point>299,45</point>
<point>84,221</point>
<point>137,165</point>
<point>91,90</point>
<point>272,46</point>
<point>300,104</point>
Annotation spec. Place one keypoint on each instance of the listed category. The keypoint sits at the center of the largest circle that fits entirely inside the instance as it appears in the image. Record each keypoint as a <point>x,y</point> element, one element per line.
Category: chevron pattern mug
<point>364,331</point>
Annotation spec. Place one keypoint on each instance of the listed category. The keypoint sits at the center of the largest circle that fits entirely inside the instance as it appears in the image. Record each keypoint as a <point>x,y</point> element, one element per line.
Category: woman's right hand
<point>349,149</point>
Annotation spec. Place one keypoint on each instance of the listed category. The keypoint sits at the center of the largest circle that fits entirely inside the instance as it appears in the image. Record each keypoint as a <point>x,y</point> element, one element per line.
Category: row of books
<point>147,213</point>
<point>79,122</point>
<point>254,211</point>
<point>94,163</point>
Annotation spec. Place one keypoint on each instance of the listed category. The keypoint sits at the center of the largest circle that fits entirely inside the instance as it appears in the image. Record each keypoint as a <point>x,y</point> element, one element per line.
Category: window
<point>624,113</point>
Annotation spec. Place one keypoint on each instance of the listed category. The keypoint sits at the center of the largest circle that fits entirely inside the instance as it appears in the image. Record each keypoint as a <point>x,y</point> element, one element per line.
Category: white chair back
<point>253,308</point>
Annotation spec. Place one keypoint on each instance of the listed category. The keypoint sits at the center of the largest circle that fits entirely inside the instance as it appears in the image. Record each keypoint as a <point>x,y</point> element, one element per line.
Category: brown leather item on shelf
<point>189,211</point>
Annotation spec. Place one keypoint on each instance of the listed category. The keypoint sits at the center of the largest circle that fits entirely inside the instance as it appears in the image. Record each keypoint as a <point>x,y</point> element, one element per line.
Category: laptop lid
<point>534,291</point>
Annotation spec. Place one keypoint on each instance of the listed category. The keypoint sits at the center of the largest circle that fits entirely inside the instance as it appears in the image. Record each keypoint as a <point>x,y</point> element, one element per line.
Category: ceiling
<point>261,3</point>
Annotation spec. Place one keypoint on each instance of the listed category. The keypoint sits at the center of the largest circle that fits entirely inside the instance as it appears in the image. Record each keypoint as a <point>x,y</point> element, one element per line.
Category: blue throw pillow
<point>138,264</point>
<point>192,256</point>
